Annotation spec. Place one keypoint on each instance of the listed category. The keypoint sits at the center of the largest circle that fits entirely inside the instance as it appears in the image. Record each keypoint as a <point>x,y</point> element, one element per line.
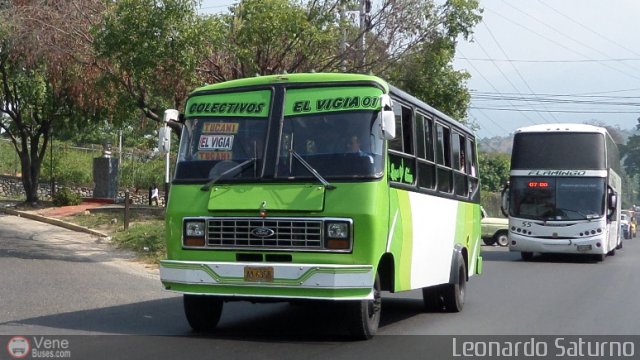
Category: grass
<point>147,239</point>
<point>145,235</point>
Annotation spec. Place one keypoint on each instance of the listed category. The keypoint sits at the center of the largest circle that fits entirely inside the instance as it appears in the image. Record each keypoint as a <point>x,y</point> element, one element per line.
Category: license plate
<point>258,273</point>
<point>584,247</point>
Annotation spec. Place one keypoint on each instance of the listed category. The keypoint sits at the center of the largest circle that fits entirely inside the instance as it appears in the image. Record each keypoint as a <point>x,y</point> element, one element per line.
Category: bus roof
<point>295,78</point>
<point>568,127</point>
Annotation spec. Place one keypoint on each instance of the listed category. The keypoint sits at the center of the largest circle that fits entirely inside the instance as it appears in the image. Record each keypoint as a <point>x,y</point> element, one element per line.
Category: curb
<point>56,222</point>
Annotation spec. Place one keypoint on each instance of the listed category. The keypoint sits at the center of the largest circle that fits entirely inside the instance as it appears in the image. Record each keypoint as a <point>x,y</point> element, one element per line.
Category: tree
<point>494,171</point>
<point>148,52</point>
<point>38,80</point>
<point>277,36</point>
<point>426,70</point>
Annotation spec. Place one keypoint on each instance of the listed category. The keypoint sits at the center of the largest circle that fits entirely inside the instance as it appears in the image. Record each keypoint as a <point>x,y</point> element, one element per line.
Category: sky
<point>548,61</point>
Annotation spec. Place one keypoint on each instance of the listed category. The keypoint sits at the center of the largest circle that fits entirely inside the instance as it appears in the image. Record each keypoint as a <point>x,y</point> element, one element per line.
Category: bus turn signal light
<point>337,244</point>
<point>194,241</point>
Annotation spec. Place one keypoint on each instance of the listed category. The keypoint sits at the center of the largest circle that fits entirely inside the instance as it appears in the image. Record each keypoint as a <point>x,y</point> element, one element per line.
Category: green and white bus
<point>329,187</point>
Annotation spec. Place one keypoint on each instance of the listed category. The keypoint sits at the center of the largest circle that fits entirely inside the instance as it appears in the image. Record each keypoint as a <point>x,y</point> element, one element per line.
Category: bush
<point>65,197</point>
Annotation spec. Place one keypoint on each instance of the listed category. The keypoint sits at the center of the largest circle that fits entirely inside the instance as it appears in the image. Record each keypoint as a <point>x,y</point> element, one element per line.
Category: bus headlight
<point>337,236</point>
<point>194,233</point>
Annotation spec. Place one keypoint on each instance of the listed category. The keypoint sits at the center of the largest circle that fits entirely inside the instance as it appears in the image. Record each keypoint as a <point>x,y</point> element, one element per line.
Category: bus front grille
<point>265,233</point>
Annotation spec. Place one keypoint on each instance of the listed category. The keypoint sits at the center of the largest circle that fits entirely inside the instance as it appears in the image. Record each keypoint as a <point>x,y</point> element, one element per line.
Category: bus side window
<point>459,177</point>
<point>443,148</point>
<point>396,143</point>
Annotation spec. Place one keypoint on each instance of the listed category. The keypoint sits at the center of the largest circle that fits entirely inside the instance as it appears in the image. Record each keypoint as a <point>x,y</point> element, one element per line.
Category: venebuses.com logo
<point>38,347</point>
<point>18,347</point>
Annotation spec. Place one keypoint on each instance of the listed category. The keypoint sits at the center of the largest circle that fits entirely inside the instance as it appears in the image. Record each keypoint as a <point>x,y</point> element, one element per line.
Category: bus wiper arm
<point>313,171</point>
<point>207,186</point>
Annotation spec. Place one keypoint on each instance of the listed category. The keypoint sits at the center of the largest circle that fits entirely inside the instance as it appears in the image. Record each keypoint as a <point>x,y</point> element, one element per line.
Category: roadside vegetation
<point>145,235</point>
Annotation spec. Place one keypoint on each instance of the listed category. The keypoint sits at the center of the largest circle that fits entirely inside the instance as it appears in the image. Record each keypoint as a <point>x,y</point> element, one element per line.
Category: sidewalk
<point>52,215</point>
<point>58,212</point>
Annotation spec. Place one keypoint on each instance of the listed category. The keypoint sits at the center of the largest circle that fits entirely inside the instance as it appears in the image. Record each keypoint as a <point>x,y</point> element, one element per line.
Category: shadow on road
<point>308,322</point>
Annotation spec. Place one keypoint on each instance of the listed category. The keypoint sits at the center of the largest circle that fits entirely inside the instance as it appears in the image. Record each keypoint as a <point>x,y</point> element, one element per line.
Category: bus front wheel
<point>363,317</point>
<point>202,312</point>
<point>526,255</point>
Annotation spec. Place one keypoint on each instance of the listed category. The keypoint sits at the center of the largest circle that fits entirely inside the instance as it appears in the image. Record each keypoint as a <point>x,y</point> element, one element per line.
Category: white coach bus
<point>564,190</point>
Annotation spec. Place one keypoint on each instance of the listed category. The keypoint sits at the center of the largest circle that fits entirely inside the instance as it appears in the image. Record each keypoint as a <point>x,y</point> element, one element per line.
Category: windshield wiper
<point>589,216</point>
<point>313,171</point>
<point>207,186</point>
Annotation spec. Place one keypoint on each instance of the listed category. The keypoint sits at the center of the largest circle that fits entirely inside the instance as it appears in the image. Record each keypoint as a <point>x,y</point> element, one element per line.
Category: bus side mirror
<point>164,133</point>
<point>388,123</point>
<point>504,206</point>
<point>613,201</point>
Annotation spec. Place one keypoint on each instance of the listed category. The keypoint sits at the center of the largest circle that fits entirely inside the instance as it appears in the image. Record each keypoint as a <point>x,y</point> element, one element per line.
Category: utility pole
<point>343,43</point>
<point>365,22</point>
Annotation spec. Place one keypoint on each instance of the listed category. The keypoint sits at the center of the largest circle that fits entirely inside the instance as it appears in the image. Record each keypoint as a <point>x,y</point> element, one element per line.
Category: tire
<point>453,294</point>
<point>363,317</point>
<point>202,312</point>
<point>489,241</point>
<point>432,298</point>
<point>526,255</point>
<point>612,252</point>
<point>501,238</point>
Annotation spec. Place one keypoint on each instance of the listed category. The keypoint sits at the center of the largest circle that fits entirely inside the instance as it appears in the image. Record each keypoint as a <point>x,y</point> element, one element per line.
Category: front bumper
<point>565,246</point>
<point>290,281</point>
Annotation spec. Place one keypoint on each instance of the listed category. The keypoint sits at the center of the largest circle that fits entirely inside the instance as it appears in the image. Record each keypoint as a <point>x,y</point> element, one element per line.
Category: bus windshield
<point>336,144</point>
<point>211,146</point>
<point>557,198</point>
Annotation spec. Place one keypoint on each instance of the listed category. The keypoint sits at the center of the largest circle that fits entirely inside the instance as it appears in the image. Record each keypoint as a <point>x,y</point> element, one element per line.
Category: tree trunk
<point>30,165</point>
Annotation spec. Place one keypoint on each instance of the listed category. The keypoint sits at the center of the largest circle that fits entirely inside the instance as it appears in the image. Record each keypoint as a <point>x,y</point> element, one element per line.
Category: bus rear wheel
<point>202,312</point>
<point>446,297</point>
<point>363,317</point>
<point>453,294</point>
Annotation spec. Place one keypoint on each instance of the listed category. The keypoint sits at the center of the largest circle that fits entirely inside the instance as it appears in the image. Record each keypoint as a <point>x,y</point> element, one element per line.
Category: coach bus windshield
<point>335,144</point>
<point>560,198</point>
<point>555,151</point>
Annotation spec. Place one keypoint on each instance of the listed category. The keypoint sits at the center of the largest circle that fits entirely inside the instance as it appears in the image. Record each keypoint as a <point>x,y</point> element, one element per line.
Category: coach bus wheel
<point>453,294</point>
<point>501,238</point>
<point>363,317</point>
<point>203,312</point>
<point>526,255</point>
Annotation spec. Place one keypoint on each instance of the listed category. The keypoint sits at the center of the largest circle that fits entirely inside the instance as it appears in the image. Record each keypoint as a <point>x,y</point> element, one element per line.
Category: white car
<point>494,230</point>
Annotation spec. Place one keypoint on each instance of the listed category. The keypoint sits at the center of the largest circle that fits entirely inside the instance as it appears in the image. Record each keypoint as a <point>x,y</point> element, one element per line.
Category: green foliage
<point>154,48</point>
<point>71,166</point>
<point>273,36</point>
<point>141,173</point>
<point>494,171</point>
<point>66,197</point>
<point>9,163</point>
<point>632,151</point>
<point>426,71</point>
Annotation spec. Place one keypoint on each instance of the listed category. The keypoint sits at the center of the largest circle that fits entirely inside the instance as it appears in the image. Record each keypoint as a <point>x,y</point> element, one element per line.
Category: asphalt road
<point>58,282</point>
